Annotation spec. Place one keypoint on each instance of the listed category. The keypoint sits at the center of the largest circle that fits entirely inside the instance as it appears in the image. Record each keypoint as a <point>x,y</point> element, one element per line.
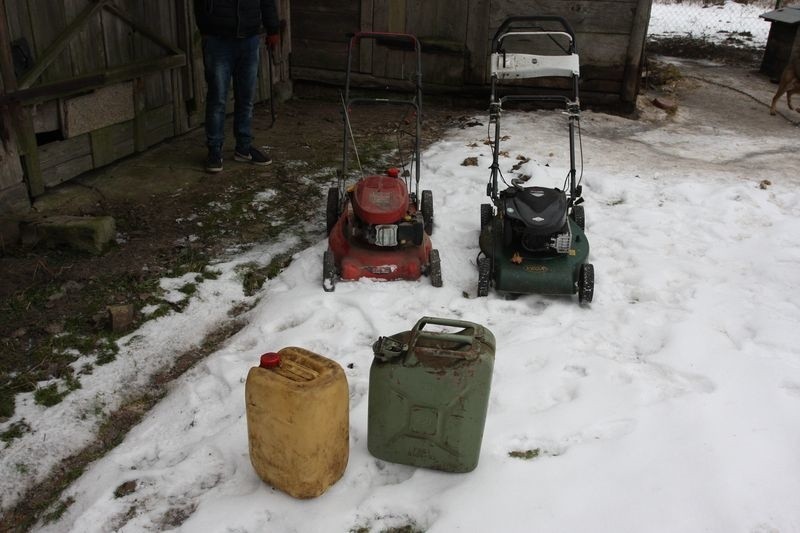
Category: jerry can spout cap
<point>270,360</point>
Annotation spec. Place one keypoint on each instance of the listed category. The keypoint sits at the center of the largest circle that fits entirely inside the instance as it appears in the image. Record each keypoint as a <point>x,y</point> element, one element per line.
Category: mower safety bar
<point>391,101</point>
<point>401,41</point>
<point>514,24</point>
<point>534,98</point>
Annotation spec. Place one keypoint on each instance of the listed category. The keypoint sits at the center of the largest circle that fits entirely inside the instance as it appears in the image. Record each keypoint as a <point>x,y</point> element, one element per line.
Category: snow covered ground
<point>715,23</point>
<point>669,404</point>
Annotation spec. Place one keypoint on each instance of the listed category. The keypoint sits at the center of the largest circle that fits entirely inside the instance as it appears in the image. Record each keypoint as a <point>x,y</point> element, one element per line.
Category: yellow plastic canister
<point>298,421</point>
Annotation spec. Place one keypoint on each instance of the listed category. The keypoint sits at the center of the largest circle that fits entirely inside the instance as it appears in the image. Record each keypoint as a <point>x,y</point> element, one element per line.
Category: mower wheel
<point>486,215</point>
<point>586,284</point>
<point>484,276</point>
<point>328,272</point>
<point>332,208</point>
<point>427,211</point>
<point>435,268</point>
<point>578,216</point>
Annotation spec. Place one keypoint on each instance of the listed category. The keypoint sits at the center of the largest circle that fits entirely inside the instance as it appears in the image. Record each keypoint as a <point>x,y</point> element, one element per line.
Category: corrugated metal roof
<point>788,15</point>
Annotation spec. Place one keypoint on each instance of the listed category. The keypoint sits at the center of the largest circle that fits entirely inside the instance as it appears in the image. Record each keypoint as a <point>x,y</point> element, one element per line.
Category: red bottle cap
<point>270,360</point>
<point>393,172</point>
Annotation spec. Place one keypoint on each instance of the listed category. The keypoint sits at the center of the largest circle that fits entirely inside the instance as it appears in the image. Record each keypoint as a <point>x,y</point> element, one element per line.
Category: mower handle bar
<point>530,23</point>
<point>390,101</point>
<point>401,40</point>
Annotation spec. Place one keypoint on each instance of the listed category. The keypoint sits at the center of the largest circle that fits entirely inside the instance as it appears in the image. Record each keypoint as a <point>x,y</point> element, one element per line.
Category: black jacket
<point>236,18</point>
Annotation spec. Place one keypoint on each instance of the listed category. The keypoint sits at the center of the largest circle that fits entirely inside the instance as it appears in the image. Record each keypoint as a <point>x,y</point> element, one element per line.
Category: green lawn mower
<point>532,237</point>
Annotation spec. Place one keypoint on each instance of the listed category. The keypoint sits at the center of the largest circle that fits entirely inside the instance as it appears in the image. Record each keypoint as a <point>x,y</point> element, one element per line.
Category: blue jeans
<point>224,59</point>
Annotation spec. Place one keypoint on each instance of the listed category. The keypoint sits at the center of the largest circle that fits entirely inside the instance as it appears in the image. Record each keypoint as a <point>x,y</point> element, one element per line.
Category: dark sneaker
<point>214,162</point>
<point>253,156</point>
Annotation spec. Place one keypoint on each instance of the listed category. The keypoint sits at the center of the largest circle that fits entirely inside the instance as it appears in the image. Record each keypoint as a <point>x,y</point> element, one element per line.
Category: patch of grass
<point>52,394</point>
<point>525,454</point>
<point>190,259</point>
<point>210,274</point>
<point>48,396</point>
<point>7,403</point>
<point>15,431</point>
<point>188,289</point>
<point>59,510</point>
<point>254,276</point>
<point>106,350</point>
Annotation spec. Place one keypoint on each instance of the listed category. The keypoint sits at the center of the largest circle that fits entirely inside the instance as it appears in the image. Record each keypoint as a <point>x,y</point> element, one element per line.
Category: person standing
<point>231,31</point>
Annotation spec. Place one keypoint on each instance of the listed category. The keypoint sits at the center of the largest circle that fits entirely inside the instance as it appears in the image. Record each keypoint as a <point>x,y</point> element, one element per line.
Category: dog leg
<point>785,85</point>
<point>781,90</point>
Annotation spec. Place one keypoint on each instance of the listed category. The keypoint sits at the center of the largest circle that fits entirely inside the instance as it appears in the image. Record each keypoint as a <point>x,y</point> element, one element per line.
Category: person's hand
<point>273,41</point>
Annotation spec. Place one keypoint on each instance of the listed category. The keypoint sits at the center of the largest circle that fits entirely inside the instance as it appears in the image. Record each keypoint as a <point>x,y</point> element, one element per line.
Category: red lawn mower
<point>378,227</point>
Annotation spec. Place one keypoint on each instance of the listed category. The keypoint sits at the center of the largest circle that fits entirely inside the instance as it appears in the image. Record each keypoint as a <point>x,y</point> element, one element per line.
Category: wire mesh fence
<point>725,22</point>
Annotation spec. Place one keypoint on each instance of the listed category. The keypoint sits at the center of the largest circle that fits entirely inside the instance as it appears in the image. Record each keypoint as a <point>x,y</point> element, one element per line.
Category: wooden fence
<point>456,38</point>
<point>87,82</point>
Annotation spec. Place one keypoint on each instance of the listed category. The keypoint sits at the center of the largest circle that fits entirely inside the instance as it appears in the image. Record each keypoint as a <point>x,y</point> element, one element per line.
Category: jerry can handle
<point>457,338</point>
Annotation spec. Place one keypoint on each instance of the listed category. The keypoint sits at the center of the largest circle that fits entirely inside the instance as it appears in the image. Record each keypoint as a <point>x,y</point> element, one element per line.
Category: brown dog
<point>789,84</point>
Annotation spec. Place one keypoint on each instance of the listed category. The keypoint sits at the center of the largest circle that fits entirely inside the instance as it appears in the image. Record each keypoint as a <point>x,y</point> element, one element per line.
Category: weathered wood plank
<point>48,21</point>
<point>159,124</point>
<point>585,16</point>
<point>365,49</point>
<point>62,160</point>
<point>477,41</point>
<point>322,6</point>
<point>67,170</point>
<point>19,27</point>
<point>57,152</point>
<point>111,143</point>
<point>443,69</point>
<point>118,40</point>
<point>86,50</point>
<point>14,199</point>
<point>331,27</point>
<point>319,54</point>
<point>440,20</point>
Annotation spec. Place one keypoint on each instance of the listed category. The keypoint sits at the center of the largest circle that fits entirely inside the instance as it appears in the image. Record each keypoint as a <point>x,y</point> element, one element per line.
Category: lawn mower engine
<point>536,218</point>
<point>384,213</point>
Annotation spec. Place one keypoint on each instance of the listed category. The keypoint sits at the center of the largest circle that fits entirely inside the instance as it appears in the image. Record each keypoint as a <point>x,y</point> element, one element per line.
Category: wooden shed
<point>456,38</point>
<point>783,41</point>
<point>87,82</point>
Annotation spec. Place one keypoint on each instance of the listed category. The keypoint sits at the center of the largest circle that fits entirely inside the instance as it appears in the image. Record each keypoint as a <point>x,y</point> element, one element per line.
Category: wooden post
<point>19,117</point>
<point>633,59</point>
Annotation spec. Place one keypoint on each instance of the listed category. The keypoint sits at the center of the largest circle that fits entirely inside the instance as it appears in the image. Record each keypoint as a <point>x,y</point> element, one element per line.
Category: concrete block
<point>89,234</point>
<point>121,316</point>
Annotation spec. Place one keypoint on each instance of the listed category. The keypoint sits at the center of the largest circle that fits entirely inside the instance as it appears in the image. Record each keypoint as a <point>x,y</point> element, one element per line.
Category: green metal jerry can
<point>428,395</point>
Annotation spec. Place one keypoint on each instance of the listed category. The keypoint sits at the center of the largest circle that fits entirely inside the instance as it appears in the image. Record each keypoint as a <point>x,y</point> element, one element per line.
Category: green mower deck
<point>516,271</point>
